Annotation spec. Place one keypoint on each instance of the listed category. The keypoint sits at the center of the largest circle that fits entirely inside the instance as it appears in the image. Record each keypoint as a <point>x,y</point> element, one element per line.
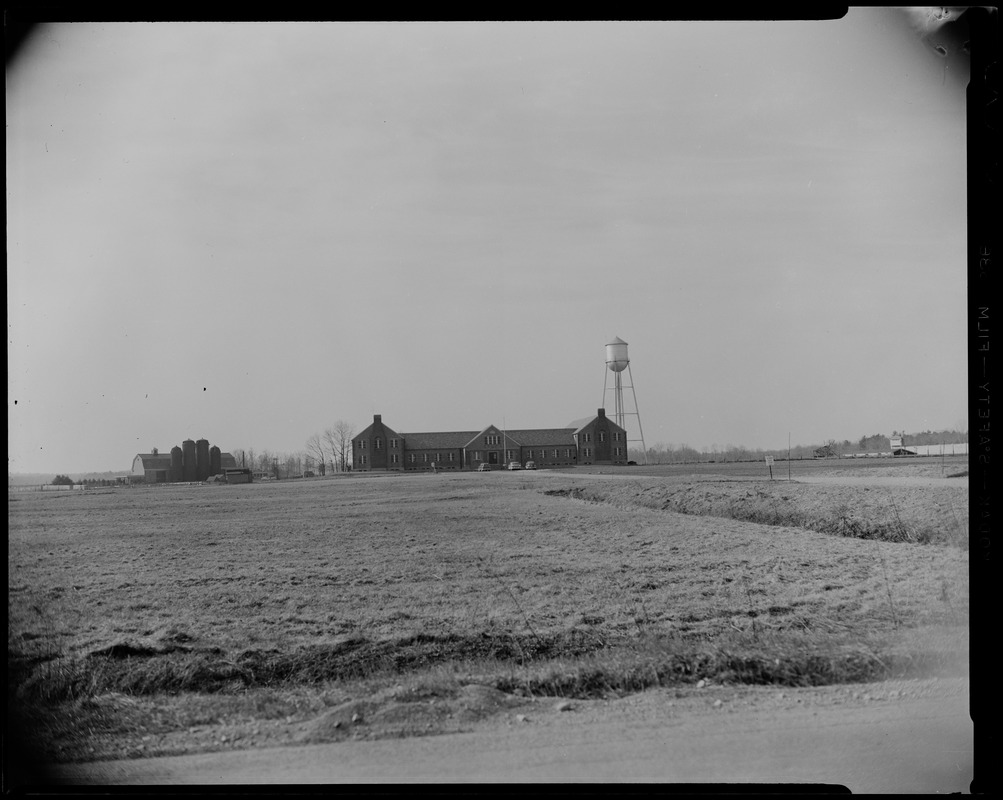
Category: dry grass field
<point>176,619</point>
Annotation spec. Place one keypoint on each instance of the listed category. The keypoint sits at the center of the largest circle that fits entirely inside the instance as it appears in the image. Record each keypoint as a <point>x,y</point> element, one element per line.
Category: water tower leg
<point>638,412</point>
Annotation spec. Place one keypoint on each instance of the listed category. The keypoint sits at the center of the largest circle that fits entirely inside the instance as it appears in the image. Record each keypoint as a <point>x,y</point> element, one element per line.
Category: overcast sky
<point>245,232</point>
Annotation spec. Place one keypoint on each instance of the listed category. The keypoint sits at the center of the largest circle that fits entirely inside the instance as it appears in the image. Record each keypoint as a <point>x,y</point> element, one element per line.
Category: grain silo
<point>177,470</point>
<point>202,459</point>
<point>214,461</point>
<point>188,459</point>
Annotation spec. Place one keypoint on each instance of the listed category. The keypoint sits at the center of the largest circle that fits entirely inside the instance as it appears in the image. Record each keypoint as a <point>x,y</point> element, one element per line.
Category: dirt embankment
<point>886,511</point>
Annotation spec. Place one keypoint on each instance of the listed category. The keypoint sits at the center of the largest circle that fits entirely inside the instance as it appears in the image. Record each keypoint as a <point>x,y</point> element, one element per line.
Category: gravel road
<point>892,737</point>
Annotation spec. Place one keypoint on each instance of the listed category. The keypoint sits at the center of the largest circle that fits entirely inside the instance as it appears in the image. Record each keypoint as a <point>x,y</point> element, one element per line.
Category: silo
<point>177,465</point>
<point>214,461</point>
<point>188,458</point>
<point>202,459</point>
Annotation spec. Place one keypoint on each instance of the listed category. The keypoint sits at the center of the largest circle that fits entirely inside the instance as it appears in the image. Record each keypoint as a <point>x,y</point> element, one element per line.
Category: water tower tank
<point>188,458</point>
<point>616,355</point>
<point>177,465</point>
<point>202,459</point>
<point>215,456</point>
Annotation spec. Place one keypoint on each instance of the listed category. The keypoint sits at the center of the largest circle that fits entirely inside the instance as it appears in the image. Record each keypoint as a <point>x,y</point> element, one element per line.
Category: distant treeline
<point>331,452</point>
<point>878,443</point>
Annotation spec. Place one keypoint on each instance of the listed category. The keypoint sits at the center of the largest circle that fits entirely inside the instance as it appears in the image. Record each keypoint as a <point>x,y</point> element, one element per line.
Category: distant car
<point>530,465</point>
<point>514,465</point>
<point>484,467</point>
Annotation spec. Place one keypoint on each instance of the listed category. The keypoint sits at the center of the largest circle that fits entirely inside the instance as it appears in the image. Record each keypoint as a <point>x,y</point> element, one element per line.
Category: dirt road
<point>905,736</point>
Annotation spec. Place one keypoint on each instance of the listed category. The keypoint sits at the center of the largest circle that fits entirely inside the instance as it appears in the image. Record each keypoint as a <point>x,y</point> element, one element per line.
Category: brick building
<point>598,440</point>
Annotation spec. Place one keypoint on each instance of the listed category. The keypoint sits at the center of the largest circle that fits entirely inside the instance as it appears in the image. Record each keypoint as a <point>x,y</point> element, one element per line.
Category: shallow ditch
<point>578,663</point>
<point>822,513</point>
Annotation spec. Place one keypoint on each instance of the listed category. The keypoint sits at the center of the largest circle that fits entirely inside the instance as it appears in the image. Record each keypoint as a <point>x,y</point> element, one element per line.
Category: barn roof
<point>153,460</point>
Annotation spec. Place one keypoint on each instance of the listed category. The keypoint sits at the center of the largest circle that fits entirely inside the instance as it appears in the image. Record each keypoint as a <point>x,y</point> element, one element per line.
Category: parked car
<point>514,465</point>
<point>530,465</point>
<point>484,466</point>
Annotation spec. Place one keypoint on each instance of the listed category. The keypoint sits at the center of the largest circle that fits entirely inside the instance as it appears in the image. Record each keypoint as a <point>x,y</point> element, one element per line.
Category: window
<point>477,455</point>
<point>424,457</point>
<point>393,444</point>
<point>587,452</point>
<point>412,457</point>
<point>492,439</point>
<point>393,458</point>
<point>438,456</point>
<point>616,436</point>
<point>362,460</point>
<point>587,437</point>
<point>602,436</point>
<point>616,451</point>
<point>378,443</point>
<point>452,456</point>
<point>555,452</point>
<point>567,453</point>
<point>362,444</point>
<point>531,454</point>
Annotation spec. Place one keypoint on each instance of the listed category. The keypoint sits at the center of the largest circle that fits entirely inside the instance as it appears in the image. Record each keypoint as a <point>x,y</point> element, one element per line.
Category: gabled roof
<point>365,432</point>
<point>444,440</point>
<point>456,440</point>
<point>590,420</point>
<point>544,437</point>
<point>490,430</point>
<point>153,460</point>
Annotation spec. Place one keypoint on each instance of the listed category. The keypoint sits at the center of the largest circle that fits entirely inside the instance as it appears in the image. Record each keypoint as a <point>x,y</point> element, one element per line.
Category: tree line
<point>878,443</point>
<point>327,452</point>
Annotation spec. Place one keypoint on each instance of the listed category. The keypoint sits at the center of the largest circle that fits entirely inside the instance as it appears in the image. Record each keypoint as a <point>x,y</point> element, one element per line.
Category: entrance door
<point>493,457</point>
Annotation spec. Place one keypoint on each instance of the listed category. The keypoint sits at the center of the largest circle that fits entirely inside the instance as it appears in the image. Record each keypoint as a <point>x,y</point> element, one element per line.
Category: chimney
<point>154,451</point>
<point>377,418</point>
<point>602,412</point>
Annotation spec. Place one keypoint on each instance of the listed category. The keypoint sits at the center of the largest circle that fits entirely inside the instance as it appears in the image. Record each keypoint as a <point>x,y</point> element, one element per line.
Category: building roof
<point>544,437</point>
<point>377,420</point>
<point>582,424</point>
<point>443,440</point>
<point>515,437</point>
<point>522,437</point>
<point>492,430</point>
<point>150,461</point>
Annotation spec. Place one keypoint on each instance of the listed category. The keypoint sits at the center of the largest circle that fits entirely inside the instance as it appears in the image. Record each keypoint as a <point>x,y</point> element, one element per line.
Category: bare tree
<point>339,441</point>
<point>315,450</point>
<point>264,463</point>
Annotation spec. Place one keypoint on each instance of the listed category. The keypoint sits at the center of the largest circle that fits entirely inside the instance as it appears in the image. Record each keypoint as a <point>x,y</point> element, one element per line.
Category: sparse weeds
<point>812,507</point>
<point>606,599</point>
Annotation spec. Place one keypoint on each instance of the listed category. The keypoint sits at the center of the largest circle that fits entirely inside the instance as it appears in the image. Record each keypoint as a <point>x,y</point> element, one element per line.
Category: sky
<point>246,232</point>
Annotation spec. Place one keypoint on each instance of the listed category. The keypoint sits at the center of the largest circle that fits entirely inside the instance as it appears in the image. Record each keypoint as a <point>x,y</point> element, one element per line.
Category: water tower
<point>616,362</point>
